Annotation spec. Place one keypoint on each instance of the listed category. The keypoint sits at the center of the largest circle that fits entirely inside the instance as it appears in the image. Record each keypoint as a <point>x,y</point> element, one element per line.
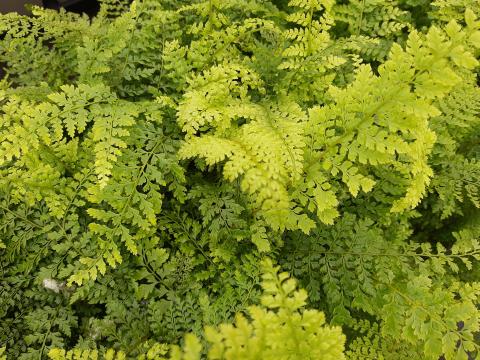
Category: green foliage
<point>371,345</point>
<point>153,155</point>
<point>279,328</point>
<point>455,152</point>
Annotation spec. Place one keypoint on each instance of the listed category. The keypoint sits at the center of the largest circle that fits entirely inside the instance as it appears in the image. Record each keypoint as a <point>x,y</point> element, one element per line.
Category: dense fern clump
<point>167,165</point>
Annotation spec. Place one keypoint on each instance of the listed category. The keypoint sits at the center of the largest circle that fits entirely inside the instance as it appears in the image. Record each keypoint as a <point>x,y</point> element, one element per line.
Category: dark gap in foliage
<point>89,7</point>
<point>428,224</point>
<point>99,310</point>
<point>2,71</point>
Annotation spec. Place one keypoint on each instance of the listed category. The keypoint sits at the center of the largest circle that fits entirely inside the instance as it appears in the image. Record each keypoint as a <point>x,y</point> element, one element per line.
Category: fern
<point>370,345</point>
<point>456,166</point>
<point>280,320</point>
<point>382,19</point>
<point>378,144</point>
<point>365,255</point>
<point>447,10</point>
<point>309,44</point>
<point>151,156</point>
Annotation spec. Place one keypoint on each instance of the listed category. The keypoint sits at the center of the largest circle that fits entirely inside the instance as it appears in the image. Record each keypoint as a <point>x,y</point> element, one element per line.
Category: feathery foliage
<point>153,156</point>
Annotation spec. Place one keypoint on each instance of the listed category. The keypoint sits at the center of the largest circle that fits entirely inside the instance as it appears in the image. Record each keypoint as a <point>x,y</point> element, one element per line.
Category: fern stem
<point>21,217</point>
<point>360,19</point>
